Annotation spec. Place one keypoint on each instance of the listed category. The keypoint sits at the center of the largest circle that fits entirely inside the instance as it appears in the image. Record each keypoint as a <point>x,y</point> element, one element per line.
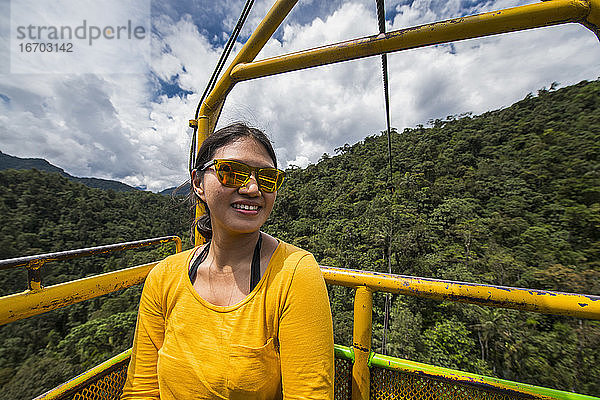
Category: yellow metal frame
<point>365,284</point>
<point>540,301</point>
<point>508,20</point>
<point>592,21</point>
<point>39,299</point>
<point>361,342</point>
<point>82,379</point>
<point>33,302</point>
<point>243,67</point>
<point>22,305</point>
<point>585,12</point>
<point>212,105</point>
<point>516,389</point>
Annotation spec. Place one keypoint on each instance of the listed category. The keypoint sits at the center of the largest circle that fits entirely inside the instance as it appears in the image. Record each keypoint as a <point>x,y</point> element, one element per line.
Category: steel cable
<point>216,72</point>
<point>386,93</point>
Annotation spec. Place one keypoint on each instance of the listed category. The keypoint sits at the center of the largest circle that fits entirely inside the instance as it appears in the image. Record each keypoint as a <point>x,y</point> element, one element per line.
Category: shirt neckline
<point>239,304</point>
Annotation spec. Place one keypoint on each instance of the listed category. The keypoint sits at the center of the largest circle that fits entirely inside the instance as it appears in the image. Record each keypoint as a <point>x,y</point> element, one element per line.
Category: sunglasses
<point>236,174</point>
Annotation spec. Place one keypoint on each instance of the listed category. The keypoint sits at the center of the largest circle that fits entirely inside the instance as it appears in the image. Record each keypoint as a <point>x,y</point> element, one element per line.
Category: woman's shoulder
<point>179,258</point>
<point>170,265</point>
<point>298,272</point>
<point>290,252</point>
<point>289,259</point>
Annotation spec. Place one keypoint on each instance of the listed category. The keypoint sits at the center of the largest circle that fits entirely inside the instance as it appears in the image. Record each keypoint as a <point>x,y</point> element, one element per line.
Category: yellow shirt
<point>276,343</point>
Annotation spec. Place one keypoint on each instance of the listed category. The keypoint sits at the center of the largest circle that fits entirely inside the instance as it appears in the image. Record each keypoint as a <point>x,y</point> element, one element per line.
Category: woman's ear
<point>198,185</point>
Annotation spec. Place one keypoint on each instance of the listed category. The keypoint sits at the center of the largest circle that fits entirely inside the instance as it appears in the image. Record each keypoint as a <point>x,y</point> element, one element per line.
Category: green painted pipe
<point>343,352</point>
<point>484,382</point>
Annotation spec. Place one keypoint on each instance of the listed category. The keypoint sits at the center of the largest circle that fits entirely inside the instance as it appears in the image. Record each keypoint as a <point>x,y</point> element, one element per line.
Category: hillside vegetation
<point>11,162</point>
<point>511,197</point>
<point>45,212</point>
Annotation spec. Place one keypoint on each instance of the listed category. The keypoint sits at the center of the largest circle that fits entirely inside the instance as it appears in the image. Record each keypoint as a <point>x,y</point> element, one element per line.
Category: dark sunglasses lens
<point>236,174</point>
<point>270,179</point>
<point>232,174</point>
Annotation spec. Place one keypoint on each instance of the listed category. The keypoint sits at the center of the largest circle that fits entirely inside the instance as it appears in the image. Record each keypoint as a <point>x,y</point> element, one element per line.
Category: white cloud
<point>116,126</point>
<point>83,36</point>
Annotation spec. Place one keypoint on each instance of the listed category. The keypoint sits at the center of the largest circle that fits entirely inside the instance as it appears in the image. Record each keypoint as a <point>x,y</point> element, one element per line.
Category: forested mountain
<point>176,190</point>
<point>45,212</point>
<point>11,162</point>
<point>511,197</point>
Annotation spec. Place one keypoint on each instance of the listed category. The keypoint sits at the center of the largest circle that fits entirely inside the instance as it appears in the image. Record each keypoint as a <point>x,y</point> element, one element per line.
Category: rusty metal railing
<point>540,301</point>
<point>38,299</point>
<point>243,67</point>
<point>366,283</point>
<point>365,362</point>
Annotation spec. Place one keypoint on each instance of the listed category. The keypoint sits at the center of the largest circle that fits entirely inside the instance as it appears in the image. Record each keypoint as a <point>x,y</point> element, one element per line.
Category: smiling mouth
<point>246,207</point>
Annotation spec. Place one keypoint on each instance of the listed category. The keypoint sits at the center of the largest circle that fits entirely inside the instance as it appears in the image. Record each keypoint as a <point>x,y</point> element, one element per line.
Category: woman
<point>245,316</point>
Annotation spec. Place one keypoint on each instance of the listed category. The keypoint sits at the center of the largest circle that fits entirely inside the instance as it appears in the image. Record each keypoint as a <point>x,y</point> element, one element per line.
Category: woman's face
<point>229,206</point>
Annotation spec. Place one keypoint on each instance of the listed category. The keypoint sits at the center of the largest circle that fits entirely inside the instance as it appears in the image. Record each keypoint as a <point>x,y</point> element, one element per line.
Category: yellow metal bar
<point>214,101</point>
<point>34,276</point>
<point>38,260</point>
<point>83,379</point>
<point>495,385</point>
<point>361,343</point>
<point>203,130</point>
<point>592,21</point>
<point>507,20</point>
<point>541,301</point>
<point>27,304</point>
<point>202,133</point>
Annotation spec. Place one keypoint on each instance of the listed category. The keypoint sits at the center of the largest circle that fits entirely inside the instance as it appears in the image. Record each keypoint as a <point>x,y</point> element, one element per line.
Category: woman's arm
<point>306,335</point>
<point>142,379</point>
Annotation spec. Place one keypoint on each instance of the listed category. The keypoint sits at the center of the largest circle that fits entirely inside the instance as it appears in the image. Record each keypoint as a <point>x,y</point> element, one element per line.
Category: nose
<point>251,187</point>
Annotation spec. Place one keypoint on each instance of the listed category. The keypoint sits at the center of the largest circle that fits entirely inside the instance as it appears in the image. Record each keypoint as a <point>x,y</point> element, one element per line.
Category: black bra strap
<point>199,260</point>
<point>254,269</point>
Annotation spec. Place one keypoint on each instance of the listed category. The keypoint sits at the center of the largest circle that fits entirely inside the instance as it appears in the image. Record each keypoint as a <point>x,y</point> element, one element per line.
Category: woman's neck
<point>229,252</point>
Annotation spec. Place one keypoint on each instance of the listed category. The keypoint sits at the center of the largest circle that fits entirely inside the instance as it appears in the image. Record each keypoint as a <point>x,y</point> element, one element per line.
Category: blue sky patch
<point>171,89</point>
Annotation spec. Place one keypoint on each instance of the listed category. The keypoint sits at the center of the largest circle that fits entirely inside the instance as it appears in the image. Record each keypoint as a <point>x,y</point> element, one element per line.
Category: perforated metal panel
<point>343,379</point>
<point>387,384</point>
<point>109,387</point>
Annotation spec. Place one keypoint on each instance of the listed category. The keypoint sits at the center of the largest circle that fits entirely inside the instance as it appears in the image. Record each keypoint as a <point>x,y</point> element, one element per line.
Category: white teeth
<point>245,207</point>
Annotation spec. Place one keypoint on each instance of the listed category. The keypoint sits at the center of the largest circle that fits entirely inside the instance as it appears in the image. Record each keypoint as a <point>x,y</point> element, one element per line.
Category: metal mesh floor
<point>109,387</point>
<point>104,386</point>
<point>385,384</point>
<point>343,380</point>
<point>388,384</point>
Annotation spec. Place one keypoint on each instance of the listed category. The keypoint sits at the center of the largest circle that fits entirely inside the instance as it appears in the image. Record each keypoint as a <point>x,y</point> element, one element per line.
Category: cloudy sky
<point>124,117</point>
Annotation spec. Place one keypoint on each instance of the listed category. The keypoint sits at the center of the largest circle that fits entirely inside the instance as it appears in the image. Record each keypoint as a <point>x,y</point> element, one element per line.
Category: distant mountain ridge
<point>11,162</point>
<point>185,189</point>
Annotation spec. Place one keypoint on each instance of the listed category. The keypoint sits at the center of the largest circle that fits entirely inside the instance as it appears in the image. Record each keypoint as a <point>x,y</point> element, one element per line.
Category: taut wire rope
<point>386,93</point>
<point>216,72</point>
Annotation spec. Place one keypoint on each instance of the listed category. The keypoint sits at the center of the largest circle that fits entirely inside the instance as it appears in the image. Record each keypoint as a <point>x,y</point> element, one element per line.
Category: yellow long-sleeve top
<point>276,343</point>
